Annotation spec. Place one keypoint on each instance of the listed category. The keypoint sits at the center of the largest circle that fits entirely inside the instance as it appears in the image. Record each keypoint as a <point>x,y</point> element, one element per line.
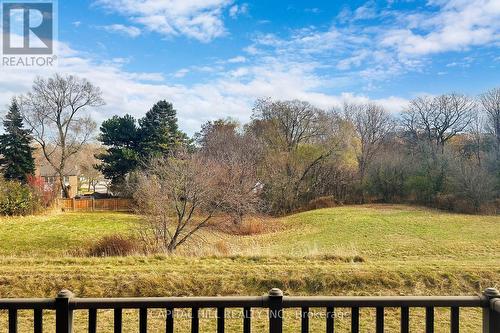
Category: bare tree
<point>475,143</point>
<point>180,196</point>
<point>490,102</point>
<point>237,154</point>
<point>438,119</point>
<point>55,113</point>
<point>298,139</point>
<point>372,124</point>
<point>472,183</point>
<point>290,122</point>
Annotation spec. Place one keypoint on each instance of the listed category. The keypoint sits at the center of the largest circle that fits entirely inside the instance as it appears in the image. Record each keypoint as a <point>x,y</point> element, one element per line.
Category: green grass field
<point>353,250</point>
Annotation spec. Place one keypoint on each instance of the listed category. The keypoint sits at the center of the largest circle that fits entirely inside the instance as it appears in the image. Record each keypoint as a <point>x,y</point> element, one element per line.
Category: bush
<point>422,189</point>
<point>445,202</point>
<point>16,199</point>
<point>252,226</point>
<point>386,178</point>
<point>474,185</point>
<point>492,208</point>
<point>45,195</point>
<point>322,202</point>
<point>114,246</point>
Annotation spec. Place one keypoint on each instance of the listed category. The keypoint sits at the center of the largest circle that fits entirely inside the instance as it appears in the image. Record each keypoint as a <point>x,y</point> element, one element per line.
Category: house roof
<point>46,170</point>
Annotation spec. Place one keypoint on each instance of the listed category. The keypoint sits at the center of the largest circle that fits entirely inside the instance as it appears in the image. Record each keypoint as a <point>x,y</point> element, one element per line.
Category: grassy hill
<point>354,250</point>
<point>374,232</point>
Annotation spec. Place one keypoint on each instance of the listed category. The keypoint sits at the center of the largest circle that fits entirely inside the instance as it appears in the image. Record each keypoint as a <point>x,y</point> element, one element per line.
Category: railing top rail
<point>168,302</point>
<point>27,303</point>
<point>288,302</point>
<point>255,302</point>
<point>385,301</point>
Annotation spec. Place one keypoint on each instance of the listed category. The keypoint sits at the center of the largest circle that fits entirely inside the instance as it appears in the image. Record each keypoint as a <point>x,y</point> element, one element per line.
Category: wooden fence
<point>65,304</point>
<point>95,205</point>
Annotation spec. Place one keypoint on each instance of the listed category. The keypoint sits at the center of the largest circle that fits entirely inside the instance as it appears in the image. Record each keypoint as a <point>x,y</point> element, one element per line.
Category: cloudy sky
<point>213,58</point>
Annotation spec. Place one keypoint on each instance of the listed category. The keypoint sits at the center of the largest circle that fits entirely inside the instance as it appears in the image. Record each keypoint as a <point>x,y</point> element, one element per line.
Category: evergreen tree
<point>130,146</point>
<point>160,133</point>
<point>17,161</point>
<point>121,136</point>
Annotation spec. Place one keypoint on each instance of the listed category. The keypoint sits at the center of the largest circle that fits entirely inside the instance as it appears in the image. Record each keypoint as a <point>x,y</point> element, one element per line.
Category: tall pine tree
<point>160,134</point>
<point>121,136</point>
<point>17,161</point>
<point>129,146</point>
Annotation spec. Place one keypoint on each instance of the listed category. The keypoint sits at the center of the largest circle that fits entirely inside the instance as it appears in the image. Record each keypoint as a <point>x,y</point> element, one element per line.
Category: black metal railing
<point>65,304</point>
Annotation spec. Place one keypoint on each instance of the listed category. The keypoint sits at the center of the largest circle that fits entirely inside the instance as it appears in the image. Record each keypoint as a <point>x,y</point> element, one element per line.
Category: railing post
<point>275,311</point>
<point>491,312</point>
<point>64,314</point>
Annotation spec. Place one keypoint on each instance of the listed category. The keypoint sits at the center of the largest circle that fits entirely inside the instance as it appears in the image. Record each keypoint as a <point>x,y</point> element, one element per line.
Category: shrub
<point>114,246</point>
<point>492,208</point>
<point>474,185</point>
<point>422,189</point>
<point>322,202</point>
<point>445,201</point>
<point>252,226</point>
<point>43,193</point>
<point>464,207</point>
<point>16,199</point>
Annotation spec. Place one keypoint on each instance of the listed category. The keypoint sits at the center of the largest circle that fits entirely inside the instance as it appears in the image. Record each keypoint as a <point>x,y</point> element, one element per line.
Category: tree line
<point>441,151</point>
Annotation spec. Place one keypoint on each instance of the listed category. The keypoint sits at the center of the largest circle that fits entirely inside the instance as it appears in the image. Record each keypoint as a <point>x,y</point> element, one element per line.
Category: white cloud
<point>229,94</point>
<point>237,10</point>
<point>322,66</point>
<point>130,31</point>
<point>198,19</point>
<point>181,73</point>
<point>365,12</point>
<point>457,25</point>
<point>236,60</point>
<point>370,43</point>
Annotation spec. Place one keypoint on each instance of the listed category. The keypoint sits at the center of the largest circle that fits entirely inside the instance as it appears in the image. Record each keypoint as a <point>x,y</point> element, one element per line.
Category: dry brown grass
<point>114,246</point>
<point>251,225</point>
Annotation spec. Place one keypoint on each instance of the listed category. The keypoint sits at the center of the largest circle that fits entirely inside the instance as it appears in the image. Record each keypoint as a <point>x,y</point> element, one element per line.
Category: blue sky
<point>213,58</point>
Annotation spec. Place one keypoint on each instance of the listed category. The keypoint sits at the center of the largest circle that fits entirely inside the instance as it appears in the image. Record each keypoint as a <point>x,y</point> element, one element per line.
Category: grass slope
<point>406,251</point>
<point>382,233</point>
<point>58,234</point>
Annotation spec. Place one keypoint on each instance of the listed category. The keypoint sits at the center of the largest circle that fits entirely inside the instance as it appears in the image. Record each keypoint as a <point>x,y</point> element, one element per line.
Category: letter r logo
<point>28,28</point>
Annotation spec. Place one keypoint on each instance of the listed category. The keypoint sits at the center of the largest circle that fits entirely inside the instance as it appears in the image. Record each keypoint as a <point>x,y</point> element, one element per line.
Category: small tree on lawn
<point>178,197</point>
<point>16,162</point>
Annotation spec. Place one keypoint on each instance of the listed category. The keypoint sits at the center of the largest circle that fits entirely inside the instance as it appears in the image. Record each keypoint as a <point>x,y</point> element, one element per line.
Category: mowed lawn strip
<point>379,232</point>
<point>59,233</point>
